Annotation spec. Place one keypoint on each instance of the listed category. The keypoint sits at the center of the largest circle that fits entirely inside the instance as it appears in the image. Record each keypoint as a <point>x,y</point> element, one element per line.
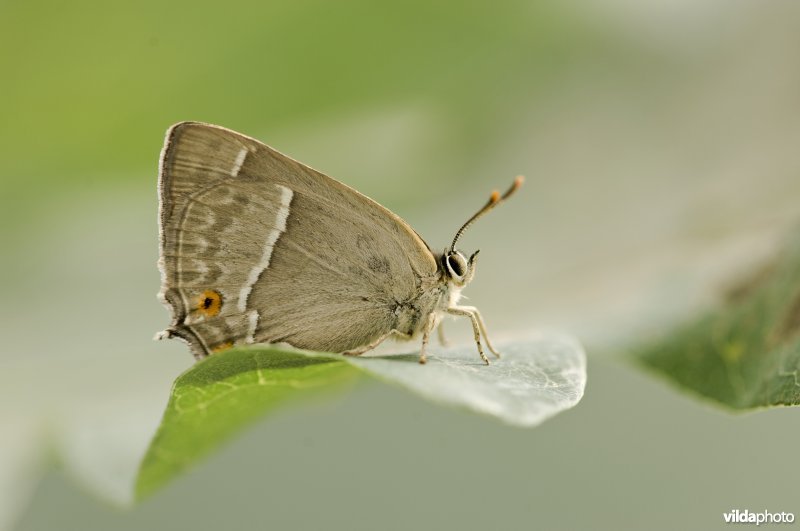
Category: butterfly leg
<point>426,335</point>
<point>478,316</point>
<point>469,311</point>
<point>369,346</point>
<point>440,334</point>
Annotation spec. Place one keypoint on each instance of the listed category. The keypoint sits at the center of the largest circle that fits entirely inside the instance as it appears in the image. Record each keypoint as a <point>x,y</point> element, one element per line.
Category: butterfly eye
<point>457,265</point>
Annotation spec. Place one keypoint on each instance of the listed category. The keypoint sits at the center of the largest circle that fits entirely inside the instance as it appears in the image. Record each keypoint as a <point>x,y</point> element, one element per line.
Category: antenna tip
<point>519,180</point>
<point>495,197</point>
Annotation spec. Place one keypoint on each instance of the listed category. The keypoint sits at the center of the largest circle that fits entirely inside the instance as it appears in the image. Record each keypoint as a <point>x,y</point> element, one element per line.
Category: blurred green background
<point>659,139</point>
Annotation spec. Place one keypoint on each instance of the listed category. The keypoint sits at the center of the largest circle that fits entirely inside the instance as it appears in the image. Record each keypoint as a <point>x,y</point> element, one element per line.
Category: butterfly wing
<point>257,247</point>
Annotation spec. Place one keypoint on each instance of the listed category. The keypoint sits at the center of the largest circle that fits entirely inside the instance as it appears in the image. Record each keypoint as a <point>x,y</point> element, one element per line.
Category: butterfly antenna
<point>494,200</point>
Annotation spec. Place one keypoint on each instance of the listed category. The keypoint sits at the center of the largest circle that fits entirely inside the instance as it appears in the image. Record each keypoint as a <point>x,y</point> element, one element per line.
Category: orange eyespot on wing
<point>209,303</point>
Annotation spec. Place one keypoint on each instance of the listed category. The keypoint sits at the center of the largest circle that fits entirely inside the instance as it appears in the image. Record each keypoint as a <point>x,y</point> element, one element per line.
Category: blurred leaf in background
<point>746,354</point>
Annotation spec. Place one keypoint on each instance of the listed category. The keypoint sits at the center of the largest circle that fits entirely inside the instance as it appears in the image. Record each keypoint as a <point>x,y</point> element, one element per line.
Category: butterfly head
<point>458,268</point>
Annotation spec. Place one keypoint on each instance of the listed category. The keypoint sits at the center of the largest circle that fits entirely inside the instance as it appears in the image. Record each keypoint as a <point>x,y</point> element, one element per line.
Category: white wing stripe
<point>272,238</point>
<point>237,164</point>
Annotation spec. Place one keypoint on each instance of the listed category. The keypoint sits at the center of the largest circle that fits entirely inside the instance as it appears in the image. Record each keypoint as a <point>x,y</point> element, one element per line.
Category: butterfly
<point>256,247</point>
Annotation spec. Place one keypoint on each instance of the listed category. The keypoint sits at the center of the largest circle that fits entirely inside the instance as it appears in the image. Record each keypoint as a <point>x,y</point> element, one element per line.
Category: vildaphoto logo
<point>764,517</point>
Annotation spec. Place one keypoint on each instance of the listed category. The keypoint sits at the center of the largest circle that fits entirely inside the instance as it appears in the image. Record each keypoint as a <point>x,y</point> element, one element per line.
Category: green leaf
<point>534,380</point>
<point>222,394</point>
<point>746,354</point>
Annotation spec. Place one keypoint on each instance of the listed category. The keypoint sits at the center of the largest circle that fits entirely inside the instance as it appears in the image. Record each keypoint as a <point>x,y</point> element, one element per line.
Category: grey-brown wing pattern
<point>340,281</point>
<point>258,247</point>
